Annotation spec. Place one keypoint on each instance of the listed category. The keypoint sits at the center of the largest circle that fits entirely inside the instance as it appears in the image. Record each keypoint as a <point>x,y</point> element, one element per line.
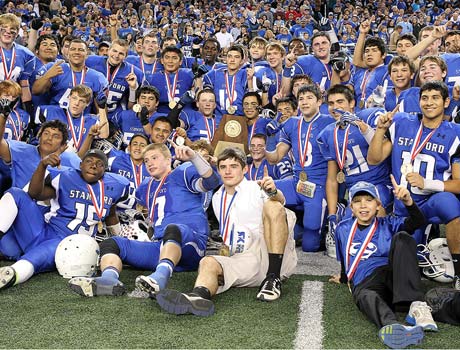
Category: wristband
<point>368,134</point>
<point>271,194</point>
<point>433,185</point>
<point>132,95</point>
<point>114,230</point>
<point>200,164</point>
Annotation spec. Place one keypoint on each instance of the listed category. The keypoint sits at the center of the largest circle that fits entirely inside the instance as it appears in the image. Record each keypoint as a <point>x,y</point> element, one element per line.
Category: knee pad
<point>109,246</point>
<point>172,233</point>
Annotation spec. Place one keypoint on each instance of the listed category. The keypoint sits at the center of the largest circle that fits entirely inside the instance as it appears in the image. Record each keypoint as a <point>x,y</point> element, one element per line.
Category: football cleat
<point>96,286</point>
<point>7,277</point>
<point>437,297</point>
<point>147,284</point>
<point>270,289</point>
<point>420,315</point>
<point>397,336</point>
<point>178,303</point>
<point>457,282</point>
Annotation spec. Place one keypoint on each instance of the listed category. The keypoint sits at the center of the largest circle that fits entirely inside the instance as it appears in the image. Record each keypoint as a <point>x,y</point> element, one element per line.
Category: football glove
<point>6,106</point>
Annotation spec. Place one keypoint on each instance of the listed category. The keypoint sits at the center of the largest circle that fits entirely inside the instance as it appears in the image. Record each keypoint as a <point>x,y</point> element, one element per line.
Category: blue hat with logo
<point>363,186</point>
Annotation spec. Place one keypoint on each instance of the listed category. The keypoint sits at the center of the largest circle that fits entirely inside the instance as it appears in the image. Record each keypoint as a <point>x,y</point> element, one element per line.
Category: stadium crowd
<point>141,123</point>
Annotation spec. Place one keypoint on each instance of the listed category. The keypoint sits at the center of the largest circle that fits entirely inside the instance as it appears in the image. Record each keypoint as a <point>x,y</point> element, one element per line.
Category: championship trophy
<point>232,132</point>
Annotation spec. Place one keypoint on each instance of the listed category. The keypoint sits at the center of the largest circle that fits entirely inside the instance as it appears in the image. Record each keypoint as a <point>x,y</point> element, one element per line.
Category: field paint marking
<point>310,324</point>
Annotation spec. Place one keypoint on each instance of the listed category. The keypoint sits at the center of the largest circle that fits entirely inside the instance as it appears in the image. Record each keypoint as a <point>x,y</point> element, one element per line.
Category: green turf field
<point>44,313</point>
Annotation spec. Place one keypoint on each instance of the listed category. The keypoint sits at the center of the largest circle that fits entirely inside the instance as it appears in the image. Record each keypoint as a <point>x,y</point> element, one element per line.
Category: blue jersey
<point>30,73</point>
<point>258,127</point>
<point>198,127</point>
<point>453,68</point>
<point>435,159</point>
<point>118,93</point>
<point>356,167</point>
<point>78,127</point>
<point>319,72</point>
<point>371,115</point>
<point>171,86</point>
<point>365,81</point>
<point>22,171</point>
<point>161,200</point>
<point>120,163</point>
<point>390,100</point>
<point>75,209</point>
<point>409,102</point>
<point>281,170</point>
<point>13,62</point>
<point>129,124</point>
<point>313,162</point>
<point>147,68</point>
<point>16,123</point>
<point>62,84</point>
<point>377,250</point>
<point>229,90</point>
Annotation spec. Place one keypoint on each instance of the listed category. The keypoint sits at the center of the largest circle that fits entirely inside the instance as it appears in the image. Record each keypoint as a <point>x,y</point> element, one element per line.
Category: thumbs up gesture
<point>56,69</point>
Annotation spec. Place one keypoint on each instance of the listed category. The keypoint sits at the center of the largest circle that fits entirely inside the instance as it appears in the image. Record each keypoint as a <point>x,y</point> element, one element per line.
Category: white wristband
<point>114,230</point>
<point>201,165</point>
<point>433,185</point>
<point>368,134</point>
<point>132,95</point>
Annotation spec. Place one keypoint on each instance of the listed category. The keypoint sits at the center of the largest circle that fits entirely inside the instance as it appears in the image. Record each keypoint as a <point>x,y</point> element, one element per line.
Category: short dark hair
<point>147,89</point>
<point>212,40</point>
<point>146,139</point>
<point>238,48</point>
<point>172,49</point>
<point>313,88</point>
<point>55,124</point>
<point>289,100</point>
<point>44,37</point>
<point>320,34</point>
<point>232,153</point>
<point>408,36</point>
<point>378,42</point>
<point>341,89</point>
<point>163,119</point>
<point>254,94</point>
<point>437,86</point>
<point>401,60</point>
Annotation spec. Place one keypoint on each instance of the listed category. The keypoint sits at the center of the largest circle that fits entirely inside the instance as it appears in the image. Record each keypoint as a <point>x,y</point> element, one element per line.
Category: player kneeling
<point>258,248</point>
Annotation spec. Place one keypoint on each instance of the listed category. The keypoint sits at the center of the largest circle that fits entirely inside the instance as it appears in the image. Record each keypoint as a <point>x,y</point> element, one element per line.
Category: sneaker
<point>437,297</point>
<point>397,336</point>
<point>457,282</point>
<point>178,303</point>
<point>96,286</point>
<point>7,277</point>
<point>420,315</point>
<point>270,289</point>
<point>147,284</point>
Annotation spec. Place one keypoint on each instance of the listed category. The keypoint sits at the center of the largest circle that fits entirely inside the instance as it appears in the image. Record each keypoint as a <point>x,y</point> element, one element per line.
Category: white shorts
<point>249,268</point>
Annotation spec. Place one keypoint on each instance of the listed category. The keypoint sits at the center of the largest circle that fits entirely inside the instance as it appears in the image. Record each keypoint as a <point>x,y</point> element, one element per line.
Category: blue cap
<point>363,186</point>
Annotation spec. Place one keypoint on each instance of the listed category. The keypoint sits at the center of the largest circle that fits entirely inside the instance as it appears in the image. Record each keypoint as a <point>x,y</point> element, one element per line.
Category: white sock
<point>24,270</point>
<point>9,212</point>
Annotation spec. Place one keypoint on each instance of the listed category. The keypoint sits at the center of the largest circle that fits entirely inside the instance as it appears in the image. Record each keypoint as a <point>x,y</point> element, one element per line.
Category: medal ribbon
<point>152,207</point>
<point>416,149</point>
<point>8,72</point>
<point>367,239</point>
<point>341,156</point>
<point>137,173</point>
<point>230,96</point>
<point>76,141</point>
<point>171,93</point>
<point>252,131</point>
<point>328,71</point>
<point>303,155</point>
<point>254,178</point>
<point>111,77</point>
<point>224,214</point>
<point>82,78</point>
<point>17,132</point>
<point>98,206</point>
<point>208,129</point>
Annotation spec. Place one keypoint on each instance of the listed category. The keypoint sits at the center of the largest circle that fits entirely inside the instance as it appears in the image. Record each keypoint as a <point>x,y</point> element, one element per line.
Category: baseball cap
<point>363,186</point>
<point>98,154</point>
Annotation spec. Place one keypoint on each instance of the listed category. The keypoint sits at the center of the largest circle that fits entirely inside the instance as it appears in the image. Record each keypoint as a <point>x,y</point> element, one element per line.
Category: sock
<point>163,272</point>
<point>202,292</point>
<point>456,261</point>
<point>24,270</point>
<point>110,273</point>
<point>9,211</point>
<point>274,264</point>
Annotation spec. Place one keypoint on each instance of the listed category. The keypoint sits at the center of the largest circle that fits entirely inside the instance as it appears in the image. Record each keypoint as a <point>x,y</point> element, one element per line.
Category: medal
<point>340,177</point>
<point>77,139</point>
<point>406,168</point>
<point>224,223</point>
<point>224,250</point>
<point>361,103</point>
<point>100,227</point>
<point>180,141</point>
<point>137,108</point>
<point>98,204</point>
<point>303,176</point>
<point>172,104</point>
<point>303,150</point>
<point>171,90</point>
<point>231,109</point>
<point>151,207</point>
<point>7,73</point>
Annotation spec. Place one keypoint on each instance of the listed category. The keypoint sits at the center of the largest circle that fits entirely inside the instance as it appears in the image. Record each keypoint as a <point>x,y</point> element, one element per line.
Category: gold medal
<point>303,176</point>
<point>224,250</point>
<point>172,104</point>
<point>231,109</point>
<point>361,103</point>
<point>340,177</point>
<point>137,108</point>
<point>406,168</point>
<point>100,226</point>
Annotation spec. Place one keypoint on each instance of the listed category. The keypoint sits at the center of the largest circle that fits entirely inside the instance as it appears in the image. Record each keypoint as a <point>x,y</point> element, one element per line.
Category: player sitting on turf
<point>379,258</point>
<point>251,254</point>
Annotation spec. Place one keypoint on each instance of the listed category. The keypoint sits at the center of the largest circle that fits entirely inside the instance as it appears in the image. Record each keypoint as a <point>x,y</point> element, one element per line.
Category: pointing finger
<point>393,181</point>
<point>265,171</point>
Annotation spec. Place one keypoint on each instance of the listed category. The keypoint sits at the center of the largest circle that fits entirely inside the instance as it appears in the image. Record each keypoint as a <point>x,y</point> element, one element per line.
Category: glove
<point>267,113</point>
<point>5,107</point>
<point>144,116</point>
<point>347,117</point>
<point>273,127</point>
<point>187,98</point>
<point>324,24</point>
<point>36,23</point>
<point>332,221</point>
<point>200,71</point>
<point>101,99</point>
<point>266,83</point>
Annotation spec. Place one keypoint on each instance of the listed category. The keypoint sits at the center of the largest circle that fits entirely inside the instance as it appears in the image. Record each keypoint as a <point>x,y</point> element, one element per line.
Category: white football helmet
<point>77,255</point>
<point>436,261</point>
<point>137,231</point>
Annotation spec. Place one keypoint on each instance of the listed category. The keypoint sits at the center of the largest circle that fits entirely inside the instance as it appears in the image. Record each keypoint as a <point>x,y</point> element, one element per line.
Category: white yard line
<point>310,324</point>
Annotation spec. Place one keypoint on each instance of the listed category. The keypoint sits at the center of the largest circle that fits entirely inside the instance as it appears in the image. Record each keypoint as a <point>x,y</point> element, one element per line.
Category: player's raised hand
<point>267,184</point>
<point>385,120</point>
<point>54,159</point>
<point>401,192</point>
<point>250,71</point>
<point>183,153</point>
<point>56,69</point>
<point>131,79</point>
<point>439,31</point>
<point>290,60</point>
<point>95,129</point>
<point>365,27</point>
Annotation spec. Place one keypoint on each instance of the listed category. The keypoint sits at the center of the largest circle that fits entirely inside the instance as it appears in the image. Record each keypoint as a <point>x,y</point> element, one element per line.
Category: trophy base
<point>221,145</point>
